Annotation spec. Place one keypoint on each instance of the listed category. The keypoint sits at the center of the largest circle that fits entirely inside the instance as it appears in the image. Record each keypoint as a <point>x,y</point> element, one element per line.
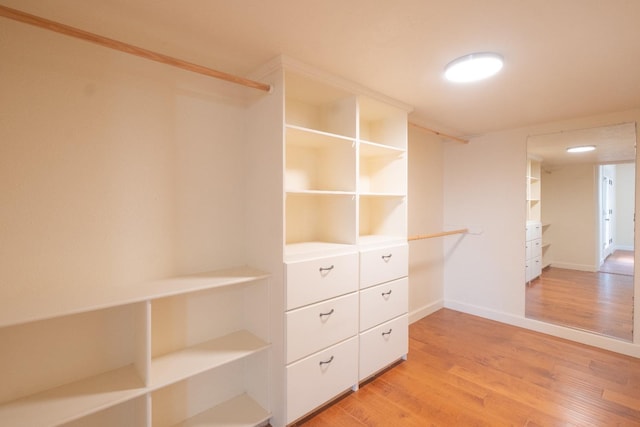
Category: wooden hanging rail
<point>442,233</point>
<point>455,138</point>
<point>127,48</point>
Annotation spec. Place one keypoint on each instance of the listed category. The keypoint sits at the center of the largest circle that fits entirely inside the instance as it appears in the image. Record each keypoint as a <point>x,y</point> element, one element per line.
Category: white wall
<point>113,169</point>
<point>625,204</point>
<point>426,270</point>
<point>484,186</point>
<point>569,204</point>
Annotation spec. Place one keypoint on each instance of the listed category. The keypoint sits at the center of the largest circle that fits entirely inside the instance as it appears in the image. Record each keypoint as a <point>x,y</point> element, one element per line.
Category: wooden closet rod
<point>442,233</point>
<point>127,48</point>
<point>455,138</point>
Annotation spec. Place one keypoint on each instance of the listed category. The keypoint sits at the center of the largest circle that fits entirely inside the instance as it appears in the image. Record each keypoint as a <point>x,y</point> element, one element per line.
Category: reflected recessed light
<point>581,149</point>
<point>473,67</point>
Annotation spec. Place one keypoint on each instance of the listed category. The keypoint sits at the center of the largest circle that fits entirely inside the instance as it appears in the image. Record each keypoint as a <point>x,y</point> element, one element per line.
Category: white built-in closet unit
<point>328,183</point>
<point>534,247</point>
<point>183,351</point>
<point>322,307</point>
<point>119,174</point>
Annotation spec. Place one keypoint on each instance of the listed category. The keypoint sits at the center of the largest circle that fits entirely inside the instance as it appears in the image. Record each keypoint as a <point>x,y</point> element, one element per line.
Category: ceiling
<point>563,59</point>
<point>613,144</point>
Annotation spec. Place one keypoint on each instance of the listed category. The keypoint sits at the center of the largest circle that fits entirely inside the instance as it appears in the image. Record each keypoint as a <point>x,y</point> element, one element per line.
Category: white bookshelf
<point>179,365</point>
<point>345,181</point>
<point>106,358</point>
<point>345,167</point>
<point>240,411</point>
<point>71,401</point>
<point>328,166</point>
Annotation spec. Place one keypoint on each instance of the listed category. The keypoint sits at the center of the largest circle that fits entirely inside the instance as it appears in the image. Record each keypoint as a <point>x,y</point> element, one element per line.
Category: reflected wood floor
<point>619,262</point>
<point>592,301</point>
<point>463,370</point>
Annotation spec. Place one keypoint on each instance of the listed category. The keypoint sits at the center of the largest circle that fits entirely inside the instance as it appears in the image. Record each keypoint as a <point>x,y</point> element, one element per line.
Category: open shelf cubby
<point>382,123</point>
<point>382,170</point>
<point>326,218</point>
<point>382,218</point>
<point>319,161</point>
<point>314,105</point>
<point>106,357</point>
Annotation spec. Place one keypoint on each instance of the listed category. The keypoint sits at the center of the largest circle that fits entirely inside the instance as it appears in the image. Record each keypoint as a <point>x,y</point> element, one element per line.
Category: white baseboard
<point>570,266</point>
<point>424,311</point>
<point>600,341</point>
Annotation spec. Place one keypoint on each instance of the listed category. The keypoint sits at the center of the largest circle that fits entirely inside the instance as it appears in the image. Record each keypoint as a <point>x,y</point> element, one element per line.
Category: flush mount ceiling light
<point>581,149</point>
<point>473,67</point>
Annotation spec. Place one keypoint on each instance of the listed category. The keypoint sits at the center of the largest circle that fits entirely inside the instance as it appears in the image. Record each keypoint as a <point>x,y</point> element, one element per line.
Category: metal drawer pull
<point>386,258</point>
<point>386,294</point>
<point>326,314</point>
<point>326,362</point>
<point>388,332</point>
<point>325,269</point>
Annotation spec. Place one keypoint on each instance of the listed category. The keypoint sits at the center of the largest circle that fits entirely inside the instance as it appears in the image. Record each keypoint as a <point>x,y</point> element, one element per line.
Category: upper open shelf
<point>382,123</point>
<point>313,105</point>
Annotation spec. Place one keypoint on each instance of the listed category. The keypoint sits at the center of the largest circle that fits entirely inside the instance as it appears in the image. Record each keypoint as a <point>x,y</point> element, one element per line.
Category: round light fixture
<point>473,67</point>
<point>581,149</point>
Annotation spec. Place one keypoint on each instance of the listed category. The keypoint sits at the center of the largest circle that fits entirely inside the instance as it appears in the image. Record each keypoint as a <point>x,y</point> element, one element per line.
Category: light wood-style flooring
<point>619,262</point>
<point>597,302</point>
<point>463,370</point>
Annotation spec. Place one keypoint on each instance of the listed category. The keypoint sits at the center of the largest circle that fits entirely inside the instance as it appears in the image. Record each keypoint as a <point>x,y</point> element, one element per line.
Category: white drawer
<point>383,345</point>
<point>383,265</point>
<point>536,268</point>
<point>320,279</point>
<point>536,248</point>
<point>383,302</point>
<point>316,379</point>
<point>321,325</point>
<point>527,250</point>
<point>534,230</point>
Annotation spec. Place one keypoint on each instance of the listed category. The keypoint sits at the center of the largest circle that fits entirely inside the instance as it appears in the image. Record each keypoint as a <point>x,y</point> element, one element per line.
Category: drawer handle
<point>386,258</point>
<point>387,333</point>
<point>326,362</point>
<point>386,294</point>
<point>325,270</point>
<point>326,314</point>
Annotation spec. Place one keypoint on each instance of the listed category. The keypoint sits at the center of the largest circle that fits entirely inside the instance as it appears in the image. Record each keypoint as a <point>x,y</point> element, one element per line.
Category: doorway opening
<point>616,217</point>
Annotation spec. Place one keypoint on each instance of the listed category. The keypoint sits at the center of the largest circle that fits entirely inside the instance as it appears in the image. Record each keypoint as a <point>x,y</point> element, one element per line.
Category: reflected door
<point>606,210</point>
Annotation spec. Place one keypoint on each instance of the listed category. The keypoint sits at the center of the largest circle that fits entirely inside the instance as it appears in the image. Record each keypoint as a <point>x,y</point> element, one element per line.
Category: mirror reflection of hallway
<point>619,262</point>
<point>585,211</point>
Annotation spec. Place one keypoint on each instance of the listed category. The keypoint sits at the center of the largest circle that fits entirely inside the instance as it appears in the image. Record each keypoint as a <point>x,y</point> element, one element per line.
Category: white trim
<point>576,335</point>
<point>570,266</point>
<point>425,310</point>
<point>288,63</point>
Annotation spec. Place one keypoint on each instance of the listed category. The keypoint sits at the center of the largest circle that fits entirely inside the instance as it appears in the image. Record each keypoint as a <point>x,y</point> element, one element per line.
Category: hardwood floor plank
<point>631,402</point>
<point>463,370</point>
